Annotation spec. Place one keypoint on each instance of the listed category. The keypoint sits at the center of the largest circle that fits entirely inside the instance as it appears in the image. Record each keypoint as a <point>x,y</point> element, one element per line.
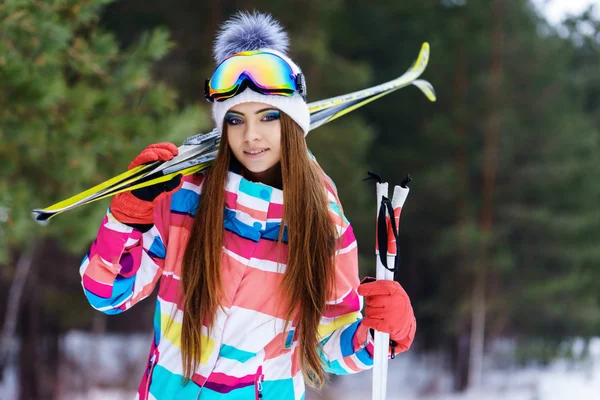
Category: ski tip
<point>426,88</point>
<point>424,53</point>
<point>41,217</point>
<point>422,60</point>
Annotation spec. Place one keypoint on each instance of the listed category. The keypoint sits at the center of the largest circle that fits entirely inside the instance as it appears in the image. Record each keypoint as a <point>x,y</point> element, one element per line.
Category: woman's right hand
<point>137,207</point>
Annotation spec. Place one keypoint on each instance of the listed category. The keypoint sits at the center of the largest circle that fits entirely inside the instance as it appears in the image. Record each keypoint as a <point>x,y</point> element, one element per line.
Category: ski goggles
<point>264,72</point>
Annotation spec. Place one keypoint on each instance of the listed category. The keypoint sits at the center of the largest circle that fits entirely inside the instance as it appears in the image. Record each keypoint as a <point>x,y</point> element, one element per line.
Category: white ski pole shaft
<point>380,356</point>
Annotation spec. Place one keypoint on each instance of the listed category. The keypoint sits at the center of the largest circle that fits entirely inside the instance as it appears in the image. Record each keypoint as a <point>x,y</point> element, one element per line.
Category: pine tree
<point>535,250</point>
<point>74,110</point>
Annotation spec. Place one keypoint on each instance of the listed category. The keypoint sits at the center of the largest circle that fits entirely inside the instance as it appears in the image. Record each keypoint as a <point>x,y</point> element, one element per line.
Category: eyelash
<point>273,117</point>
<point>237,121</point>
<point>232,120</point>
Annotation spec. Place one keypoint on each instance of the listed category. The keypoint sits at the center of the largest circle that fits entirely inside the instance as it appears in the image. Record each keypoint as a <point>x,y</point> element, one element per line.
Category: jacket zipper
<point>151,369</point>
<point>258,383</point>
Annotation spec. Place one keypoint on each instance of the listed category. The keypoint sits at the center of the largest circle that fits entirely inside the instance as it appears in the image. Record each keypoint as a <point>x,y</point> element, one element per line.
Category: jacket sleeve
<point>347,347</point>
<point>124,264</point>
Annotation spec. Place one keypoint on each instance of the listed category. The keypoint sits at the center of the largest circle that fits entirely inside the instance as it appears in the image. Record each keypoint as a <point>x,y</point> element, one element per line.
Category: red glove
<point>137,207</point>
<point>388,310</point>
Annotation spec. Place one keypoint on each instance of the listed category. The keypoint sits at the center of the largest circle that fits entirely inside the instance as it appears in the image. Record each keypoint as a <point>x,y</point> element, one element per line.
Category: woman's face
<point>254,135</point>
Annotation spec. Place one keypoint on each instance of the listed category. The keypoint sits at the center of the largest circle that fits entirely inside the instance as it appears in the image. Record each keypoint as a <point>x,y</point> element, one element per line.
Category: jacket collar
<point>252,209</point>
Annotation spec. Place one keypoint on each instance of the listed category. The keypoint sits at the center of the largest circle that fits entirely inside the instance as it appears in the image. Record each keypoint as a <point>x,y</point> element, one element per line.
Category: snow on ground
<point>110,367</point>
<point>413,376</point>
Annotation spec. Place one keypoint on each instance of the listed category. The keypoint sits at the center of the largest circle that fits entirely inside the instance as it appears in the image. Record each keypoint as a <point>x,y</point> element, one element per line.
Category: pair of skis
<point>198,151</point>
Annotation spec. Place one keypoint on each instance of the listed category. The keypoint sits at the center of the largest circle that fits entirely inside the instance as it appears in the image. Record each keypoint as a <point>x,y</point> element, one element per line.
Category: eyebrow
<point>257,112</point>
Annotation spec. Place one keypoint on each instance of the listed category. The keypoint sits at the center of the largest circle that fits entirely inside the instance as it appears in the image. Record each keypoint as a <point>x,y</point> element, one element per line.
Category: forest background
<point>497,235</point>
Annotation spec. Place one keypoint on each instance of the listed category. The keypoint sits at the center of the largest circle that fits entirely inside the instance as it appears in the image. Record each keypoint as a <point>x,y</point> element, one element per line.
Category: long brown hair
<point>310,272</point>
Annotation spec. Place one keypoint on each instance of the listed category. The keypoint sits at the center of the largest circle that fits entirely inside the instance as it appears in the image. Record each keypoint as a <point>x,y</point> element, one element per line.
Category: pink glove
<point>137,207</point>
<point>388,310</point>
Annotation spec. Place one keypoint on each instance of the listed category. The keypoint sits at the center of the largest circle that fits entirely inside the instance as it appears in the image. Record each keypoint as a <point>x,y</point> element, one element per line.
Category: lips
<point>255,153</point>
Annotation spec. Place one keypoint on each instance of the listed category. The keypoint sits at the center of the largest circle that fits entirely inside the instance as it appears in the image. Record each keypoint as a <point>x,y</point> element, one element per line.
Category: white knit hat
<point>247,32</point>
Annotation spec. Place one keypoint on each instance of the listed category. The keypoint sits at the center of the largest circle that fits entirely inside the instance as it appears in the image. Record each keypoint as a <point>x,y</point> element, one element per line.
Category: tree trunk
<point>311,30</point>
<point>215,10</point>
<point>463,258</point>
<point>490,163</point>
<point>53,349</point>
<point>13,302</point>
<point>461,361</point>
<point>477,328</point>
<point>29,357</point>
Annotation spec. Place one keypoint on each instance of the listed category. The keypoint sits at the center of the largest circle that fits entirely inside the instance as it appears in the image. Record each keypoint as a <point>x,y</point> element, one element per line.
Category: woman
<point>259,289</point>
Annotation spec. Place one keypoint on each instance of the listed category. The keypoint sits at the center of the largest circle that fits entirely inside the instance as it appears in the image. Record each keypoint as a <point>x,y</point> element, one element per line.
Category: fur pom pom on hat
<point>246,32</point>
<point>256,31</point>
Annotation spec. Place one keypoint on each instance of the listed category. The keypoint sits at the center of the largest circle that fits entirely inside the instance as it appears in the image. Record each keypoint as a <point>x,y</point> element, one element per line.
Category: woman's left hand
<point>388,310</point>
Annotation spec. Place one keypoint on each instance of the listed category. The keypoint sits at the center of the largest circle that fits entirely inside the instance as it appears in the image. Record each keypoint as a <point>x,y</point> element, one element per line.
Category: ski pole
<point>387,263</point>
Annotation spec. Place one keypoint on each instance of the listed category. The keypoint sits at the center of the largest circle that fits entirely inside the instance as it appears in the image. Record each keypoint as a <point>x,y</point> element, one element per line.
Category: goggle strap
<point>301,85</point>
<point>206,90</point>
<point>247,82</point>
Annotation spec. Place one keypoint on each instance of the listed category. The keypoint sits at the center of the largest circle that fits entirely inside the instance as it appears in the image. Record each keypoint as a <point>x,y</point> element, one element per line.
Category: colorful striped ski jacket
<point>248,354</point>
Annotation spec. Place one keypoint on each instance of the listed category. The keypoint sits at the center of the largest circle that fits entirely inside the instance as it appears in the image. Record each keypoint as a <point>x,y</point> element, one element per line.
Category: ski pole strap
<point>382,233</point>
<point>372,175</point>
<point>393,344</point>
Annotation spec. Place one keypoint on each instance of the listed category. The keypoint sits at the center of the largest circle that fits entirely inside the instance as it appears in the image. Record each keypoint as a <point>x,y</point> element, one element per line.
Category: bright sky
<point>557,10</point>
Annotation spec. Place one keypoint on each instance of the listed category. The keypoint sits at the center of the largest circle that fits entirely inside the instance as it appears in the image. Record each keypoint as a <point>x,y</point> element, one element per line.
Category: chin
<point>256,169</point>
<point>259,166</point>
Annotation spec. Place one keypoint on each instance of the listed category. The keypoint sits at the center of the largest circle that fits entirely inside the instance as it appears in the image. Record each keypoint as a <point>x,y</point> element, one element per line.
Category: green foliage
<point>74,109</point>
<point>542,246</point>
<point>79,99</point>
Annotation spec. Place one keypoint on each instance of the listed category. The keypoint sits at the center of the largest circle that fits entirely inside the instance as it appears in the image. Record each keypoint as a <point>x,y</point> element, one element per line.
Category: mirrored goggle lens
<point>267,71</point>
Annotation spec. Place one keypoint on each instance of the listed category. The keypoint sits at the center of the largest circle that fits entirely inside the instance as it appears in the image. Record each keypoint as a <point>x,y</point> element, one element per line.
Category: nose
<point>251,133</point>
